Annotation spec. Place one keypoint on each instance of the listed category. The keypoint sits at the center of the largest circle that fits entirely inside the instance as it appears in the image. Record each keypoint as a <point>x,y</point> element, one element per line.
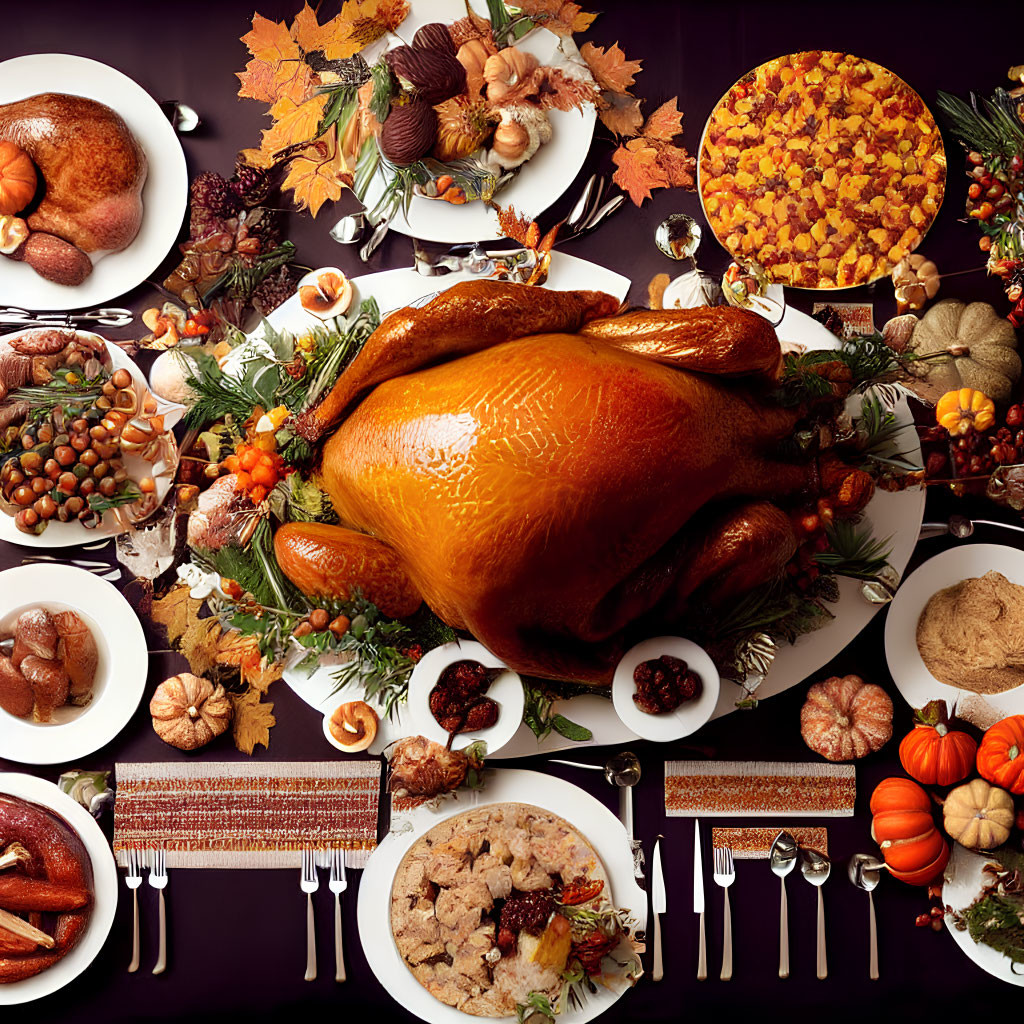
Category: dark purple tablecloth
<point>237,938</point>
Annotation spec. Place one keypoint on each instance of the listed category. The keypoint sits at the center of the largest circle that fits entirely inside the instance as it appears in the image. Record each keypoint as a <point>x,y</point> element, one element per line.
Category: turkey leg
<point>467,318</point>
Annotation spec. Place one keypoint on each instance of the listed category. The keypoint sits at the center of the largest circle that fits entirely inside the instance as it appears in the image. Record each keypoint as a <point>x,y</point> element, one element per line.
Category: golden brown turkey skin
<point>538,491</point>
<point>93,167</point>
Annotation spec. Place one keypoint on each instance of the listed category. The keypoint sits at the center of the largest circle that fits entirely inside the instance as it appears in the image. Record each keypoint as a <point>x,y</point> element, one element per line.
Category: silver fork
<point>104,570</point>
<point>338,884</point>
<point>158,880</point>
<point>309,884</point>
<point>133,879</point>
<point>725,875</point>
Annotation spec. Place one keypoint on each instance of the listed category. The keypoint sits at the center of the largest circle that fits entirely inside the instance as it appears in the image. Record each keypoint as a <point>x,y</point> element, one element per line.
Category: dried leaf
<point>299,124</point>
<point>638,170</point>
<point>199,644</point>
<point>294,80</point>
<point>360,23</point>
<point>678,165</point>
<point>313,179</point>
<point>175,610</point>
<point>269,41</point>
<point>253,720</point>
<point>258,81</point>
<point>516,226</point>
<point>610,67</point>
<point>665,123</point>
<point>471,27</point>
<point>257,158</point>
<point>548,241</point>
<point>306,30</point>
<point>620,111</point>
<point>561,17</point>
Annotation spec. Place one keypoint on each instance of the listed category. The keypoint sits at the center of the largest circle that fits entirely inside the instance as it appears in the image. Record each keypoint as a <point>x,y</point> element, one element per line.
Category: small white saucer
<point>690,715</point>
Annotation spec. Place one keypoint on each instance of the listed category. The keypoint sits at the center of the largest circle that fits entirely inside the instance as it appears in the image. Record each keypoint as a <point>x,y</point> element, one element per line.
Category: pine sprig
<point>854,551</point>
<point>868,359</point>
<point>880,431</point>
<point>992,131</point>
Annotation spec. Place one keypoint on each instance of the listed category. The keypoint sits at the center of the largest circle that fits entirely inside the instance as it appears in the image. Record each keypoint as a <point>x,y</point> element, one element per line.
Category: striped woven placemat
<point>751,789</point>
<point>247,815</point>
<point>756,843</point>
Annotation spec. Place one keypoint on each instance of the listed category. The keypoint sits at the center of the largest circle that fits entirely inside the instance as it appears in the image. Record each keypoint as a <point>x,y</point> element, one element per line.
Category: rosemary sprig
<point>854,552</point>
<point>868,359</point>
<point>218,396</point>
<point>880,431</point>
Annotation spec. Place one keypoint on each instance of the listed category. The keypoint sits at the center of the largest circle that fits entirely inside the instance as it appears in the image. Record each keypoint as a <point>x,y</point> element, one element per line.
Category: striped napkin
<point>241,814</point>
<point>750,789</point>
<point>756,843</point>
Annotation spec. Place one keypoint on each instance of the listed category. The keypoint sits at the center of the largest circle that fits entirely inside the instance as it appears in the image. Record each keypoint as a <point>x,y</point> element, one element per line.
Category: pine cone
<point>273,290</point>
<point>251,184</point>
<point>213,193</point>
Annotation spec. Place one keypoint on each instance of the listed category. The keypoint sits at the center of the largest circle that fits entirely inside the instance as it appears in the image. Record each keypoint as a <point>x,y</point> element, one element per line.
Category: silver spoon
<point>369,247</point>
<point>961,527</point>
<point>816,868</point>
<point>349,230</point>
<point>678,236</point>
<point>864,871</point>
<point>782,859</point>
<point>623,771</point>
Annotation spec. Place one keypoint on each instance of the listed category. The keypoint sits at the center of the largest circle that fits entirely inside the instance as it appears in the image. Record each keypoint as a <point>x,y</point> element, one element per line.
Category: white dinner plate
<point>586,814</point>
<point>65,535</point>
<point>916,684</point>
<point>892,514</point>
<point>506,691</point>
<point>962,881</point>
<point>104,881</point>
<point>164,195</point>
<point>542,179</point>
<point>685,719</point>
<point>120,676</point>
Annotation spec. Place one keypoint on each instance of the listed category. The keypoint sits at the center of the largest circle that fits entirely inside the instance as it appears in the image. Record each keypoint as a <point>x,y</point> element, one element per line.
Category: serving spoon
<point>816,868</point>
<point>865,872</point>
<point>960,527</point>
<point>782,858</point>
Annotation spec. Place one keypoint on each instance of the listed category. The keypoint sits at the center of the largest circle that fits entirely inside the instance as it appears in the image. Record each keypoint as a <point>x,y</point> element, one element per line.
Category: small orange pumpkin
<point>933,753</point>
<point>17,178</point>
<point>965,410</point>
<point>1001,754</point>
<point>903,827</point>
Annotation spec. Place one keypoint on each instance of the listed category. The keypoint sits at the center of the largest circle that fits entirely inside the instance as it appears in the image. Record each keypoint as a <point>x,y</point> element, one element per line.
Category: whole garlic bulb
<point>13,231</point>
<point>520,133</point>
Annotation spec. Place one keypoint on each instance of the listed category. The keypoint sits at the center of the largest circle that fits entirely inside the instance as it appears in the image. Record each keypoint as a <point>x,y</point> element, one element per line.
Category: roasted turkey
<point>93,170</point>
<point>556,478</point>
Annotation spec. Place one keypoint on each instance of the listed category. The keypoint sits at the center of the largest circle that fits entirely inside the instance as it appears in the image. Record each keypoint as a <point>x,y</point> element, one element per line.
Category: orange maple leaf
<point>320,175</point>
<point>637,169</point>
<point>359,24</point>
<point>610,67</point>
<point>665,123</point>
<point>306,29</point>
<point>295,80</point>
<point>517,227</point>
<point>559,16</point>
<point>296,124</point>
<point>269,41</point>
<point>620,111</point>
<point>257,81</point>
<point>678,165</point>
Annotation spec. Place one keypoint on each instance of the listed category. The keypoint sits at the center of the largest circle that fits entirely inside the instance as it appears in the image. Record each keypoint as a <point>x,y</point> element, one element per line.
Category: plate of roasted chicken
<point>478,904</point>
<point>73,663</point>
<point>58,888</point>
<point>93,185</point>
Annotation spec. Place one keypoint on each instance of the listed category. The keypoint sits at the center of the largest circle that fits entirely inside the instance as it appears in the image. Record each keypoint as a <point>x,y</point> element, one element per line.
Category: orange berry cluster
<point>258,471</point>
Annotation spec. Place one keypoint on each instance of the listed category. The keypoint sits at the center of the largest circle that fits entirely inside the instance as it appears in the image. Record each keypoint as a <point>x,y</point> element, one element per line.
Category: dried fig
<point>433,75</point>
<point>434,36</point>
<point>409,132</point>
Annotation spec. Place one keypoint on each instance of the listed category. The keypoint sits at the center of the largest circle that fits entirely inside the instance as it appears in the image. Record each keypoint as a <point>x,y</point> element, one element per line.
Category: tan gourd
<point>506,69</point>
<point>510,140</point>
<point>473,56</point>
<point>978,815</point>
<point>968,346</point>
<point>189,711</point>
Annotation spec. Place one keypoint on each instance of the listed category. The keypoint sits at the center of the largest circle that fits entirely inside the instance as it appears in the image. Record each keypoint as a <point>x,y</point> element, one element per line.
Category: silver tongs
<point>14,319</point>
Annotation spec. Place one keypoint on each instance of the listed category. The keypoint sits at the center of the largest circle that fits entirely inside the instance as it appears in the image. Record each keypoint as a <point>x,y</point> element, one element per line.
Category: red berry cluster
<point>973,454</point>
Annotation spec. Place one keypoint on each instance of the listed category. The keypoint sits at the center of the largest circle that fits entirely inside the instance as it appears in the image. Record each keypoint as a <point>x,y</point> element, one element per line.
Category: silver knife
<point>698,902</point>
<point>659,904</point>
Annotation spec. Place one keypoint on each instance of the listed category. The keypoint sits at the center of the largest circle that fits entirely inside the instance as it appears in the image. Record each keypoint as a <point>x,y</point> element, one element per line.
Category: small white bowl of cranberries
<point>461,690</point>
<point>665,688</point>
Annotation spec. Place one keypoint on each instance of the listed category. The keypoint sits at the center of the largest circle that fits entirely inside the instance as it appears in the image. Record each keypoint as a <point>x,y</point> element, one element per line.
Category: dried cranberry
<point>527,911</point>
<point>662,684</point>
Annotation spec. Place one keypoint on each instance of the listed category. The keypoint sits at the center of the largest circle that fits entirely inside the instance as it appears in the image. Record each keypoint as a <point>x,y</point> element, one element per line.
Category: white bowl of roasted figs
<point>665,688</point>
<point>73,663</point>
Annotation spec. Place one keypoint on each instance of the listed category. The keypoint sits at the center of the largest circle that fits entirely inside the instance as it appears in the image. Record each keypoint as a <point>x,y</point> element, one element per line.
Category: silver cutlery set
<point>309,882</point>
<point>785,854</point>
<point>156,861</point>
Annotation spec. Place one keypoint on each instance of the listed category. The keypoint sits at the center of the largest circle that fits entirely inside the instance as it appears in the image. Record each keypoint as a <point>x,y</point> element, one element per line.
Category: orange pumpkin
<point>933,753</point>
<point>1001,754</point>
<point>903,827</point>
<point>17,178</point>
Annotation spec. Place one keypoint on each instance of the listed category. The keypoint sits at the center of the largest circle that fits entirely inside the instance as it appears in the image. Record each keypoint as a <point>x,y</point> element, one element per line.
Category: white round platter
<point>541,180</point>
<point>120,677</point>
<point>164,195</point>
<point>65,535</point>
<point>104,881</point>
<point>586,814</point>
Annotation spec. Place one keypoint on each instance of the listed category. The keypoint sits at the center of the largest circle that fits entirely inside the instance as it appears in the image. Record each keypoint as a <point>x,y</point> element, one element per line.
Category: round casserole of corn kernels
<point>824,168</point>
